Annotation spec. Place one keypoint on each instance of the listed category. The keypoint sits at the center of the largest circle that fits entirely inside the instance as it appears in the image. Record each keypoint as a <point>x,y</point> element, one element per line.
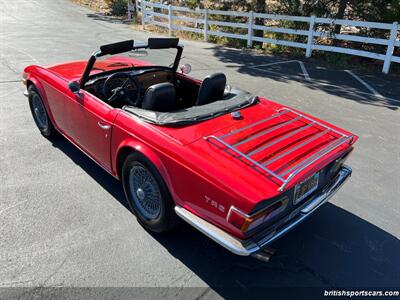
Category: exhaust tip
<point>264,254</point>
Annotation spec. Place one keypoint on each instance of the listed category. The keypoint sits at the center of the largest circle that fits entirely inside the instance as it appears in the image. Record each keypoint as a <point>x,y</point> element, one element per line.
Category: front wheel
<point>39,112</point>
<point>147,194</point>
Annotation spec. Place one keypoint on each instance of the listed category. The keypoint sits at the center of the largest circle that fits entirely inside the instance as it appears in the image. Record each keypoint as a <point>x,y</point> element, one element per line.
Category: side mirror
<point>186,69</point>
<point>74,87</point>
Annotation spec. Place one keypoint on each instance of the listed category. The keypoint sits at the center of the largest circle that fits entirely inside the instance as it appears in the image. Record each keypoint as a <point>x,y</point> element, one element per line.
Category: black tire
<point>161,219</point>
<point>41,119</point>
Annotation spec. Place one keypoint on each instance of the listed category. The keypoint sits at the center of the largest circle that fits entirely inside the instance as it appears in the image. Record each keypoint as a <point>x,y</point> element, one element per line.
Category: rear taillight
<point>246,222</point>
<point>339,162</point>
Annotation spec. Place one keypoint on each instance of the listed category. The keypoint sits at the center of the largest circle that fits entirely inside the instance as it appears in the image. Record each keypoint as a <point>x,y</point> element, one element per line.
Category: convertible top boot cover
<point>235,99</point>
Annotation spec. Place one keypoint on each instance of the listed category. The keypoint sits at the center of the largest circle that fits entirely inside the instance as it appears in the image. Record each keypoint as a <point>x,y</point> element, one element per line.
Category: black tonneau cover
<point>234,100</point>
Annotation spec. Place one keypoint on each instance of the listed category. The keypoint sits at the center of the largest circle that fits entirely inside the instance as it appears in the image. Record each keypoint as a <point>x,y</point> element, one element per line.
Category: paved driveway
<point>64,222</point>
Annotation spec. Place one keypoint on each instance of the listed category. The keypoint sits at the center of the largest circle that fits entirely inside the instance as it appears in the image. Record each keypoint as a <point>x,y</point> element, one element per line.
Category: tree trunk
<point>259,6</point>
<point>340,14</point>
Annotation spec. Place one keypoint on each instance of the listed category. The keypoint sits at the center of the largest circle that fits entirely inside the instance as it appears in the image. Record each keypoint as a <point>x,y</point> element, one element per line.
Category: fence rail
<point>167,19</point>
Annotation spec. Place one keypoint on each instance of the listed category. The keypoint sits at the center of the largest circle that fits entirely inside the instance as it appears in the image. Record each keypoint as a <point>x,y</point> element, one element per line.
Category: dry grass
<point>100,6</point>
<point>332,60</point>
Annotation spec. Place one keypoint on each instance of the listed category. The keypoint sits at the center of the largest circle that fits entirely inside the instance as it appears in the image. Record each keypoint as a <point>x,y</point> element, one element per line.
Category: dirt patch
<point>96,5</point>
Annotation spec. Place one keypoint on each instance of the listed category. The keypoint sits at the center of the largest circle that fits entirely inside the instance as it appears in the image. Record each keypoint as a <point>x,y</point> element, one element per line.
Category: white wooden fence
<point>167,14</point>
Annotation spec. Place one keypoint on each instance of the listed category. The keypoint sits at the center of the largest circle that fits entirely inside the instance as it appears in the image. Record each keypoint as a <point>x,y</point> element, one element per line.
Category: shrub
<point>336,59</point>
<point>118,7</point>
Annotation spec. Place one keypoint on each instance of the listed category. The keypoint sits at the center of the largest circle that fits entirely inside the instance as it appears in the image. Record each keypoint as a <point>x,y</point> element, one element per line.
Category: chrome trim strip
<point>312,120</point>
<point>216,234</point>
<point>245,156</point>
<point>288,175</point>
<point>248,247</point>
<point>238,211</point>
<point>233,208</point>
<point>284,137</point>
<point>270,161</point>
<point>313,159</point>
<point>311,206</point>
<point>320,153</point>
<point>252,125</point>
<point>264,132</point>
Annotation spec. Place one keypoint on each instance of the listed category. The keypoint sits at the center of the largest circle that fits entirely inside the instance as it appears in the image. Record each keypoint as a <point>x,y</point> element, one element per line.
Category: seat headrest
<point>212,89</point>
<point>160,97</point>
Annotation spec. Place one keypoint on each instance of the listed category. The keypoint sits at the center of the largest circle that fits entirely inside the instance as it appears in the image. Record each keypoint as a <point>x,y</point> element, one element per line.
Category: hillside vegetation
<point>387,11</point>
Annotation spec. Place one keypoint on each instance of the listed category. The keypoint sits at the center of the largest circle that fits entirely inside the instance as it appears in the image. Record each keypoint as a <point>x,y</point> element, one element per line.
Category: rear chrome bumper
<point>280,228</point>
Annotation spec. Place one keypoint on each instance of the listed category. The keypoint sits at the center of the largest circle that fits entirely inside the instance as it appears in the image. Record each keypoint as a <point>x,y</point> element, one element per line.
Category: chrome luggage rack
<point>286,176</point>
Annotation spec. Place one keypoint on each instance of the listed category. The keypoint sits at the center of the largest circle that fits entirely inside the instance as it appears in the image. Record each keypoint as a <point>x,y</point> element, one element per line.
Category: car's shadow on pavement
<point>108,18</point>
<point>109,183</point>
<point>335,82</point>
<point>333,249</point>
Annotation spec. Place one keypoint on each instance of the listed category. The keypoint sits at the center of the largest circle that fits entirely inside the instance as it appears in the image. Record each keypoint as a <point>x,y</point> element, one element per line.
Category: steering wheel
<point>130,94</point>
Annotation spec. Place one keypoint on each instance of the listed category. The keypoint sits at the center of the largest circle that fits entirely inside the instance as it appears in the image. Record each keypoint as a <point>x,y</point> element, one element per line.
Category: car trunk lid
<point>282,144</point>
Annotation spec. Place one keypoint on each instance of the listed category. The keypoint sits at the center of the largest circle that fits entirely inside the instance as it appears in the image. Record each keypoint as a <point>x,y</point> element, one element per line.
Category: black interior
<point>160,97</point>
<point>212,89</point>
<point>186,92</point>
<point>232,100</point>
<point>156,89</point>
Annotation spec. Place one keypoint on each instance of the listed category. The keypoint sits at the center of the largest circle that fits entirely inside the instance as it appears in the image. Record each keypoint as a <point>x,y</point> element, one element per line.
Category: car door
<point>90,125</point>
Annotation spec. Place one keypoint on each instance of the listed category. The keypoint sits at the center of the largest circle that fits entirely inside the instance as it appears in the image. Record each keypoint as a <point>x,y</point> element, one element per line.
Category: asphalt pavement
<point>64,221</point>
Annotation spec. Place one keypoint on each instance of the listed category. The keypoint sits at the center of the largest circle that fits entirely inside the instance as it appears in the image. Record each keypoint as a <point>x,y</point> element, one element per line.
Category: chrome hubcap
<point>145,192</point>
<point>39,112</point>
<point>141,194</point>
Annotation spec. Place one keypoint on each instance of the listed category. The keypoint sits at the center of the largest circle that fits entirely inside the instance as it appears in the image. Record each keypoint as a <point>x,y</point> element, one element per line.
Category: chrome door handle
<point>103,126</point>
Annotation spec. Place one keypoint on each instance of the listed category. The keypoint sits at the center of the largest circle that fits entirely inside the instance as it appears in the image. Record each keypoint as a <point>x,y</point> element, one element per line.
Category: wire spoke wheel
<point>39,112</point>
<point>145,192</point>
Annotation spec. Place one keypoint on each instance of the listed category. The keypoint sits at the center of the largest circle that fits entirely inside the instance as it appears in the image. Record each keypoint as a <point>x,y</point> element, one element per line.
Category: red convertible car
<point>240,168</point>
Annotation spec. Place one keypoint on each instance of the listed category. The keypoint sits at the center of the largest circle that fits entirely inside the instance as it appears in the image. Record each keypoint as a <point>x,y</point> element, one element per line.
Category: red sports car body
<point>240,168</point>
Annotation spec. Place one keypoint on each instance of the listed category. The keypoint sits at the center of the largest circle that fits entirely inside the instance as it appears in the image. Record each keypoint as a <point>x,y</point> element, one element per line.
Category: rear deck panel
<point>284,145</point>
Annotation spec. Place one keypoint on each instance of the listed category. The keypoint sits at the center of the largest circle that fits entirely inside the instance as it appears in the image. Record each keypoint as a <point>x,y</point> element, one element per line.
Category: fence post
<point>143,11</point>
<point>310,38</point>
<point>250,30</point>
<point>129,10</point>
<point>390,48</point>
<point>205,33</point>
<point>170,20</point>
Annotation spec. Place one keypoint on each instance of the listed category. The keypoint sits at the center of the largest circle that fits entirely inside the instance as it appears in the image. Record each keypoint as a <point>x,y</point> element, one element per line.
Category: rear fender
<point>147,151</point>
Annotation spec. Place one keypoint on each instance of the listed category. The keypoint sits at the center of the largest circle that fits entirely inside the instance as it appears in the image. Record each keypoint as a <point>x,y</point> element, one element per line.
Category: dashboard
<point>145,78</point>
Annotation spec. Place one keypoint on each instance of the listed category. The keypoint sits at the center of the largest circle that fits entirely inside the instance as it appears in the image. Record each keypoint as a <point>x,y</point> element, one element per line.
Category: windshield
<point>135,58</point>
